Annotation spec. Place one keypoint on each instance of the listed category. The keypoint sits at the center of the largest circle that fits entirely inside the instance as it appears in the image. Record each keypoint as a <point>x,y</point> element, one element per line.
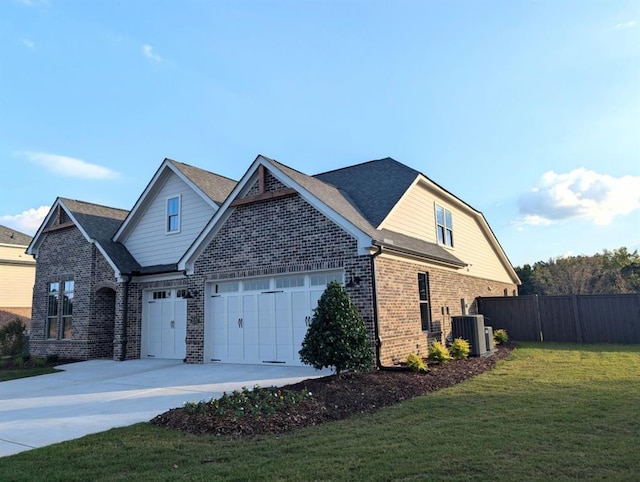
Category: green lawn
<point>552,412</point>
<point>24,373</point>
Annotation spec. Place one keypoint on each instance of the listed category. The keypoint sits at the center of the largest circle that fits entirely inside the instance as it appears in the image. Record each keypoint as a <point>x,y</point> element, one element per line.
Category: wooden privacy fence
<point>572,318</point>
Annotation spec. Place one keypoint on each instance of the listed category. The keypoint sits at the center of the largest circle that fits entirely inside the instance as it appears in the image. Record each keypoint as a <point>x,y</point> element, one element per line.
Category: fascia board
<point>364,239</point>
<point>32,249</point>
<point>125,227</point>
<point>221,215</point>
<point>482,221</point>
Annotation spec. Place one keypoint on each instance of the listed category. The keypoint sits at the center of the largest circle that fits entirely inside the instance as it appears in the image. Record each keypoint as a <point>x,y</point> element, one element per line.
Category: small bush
<point>459,348</point>
<point>12,341</point>
<point>39,362</point>
<point>438,352</point>
<point>415,363</point>
<point>249,402</point>
<point>500,336</point>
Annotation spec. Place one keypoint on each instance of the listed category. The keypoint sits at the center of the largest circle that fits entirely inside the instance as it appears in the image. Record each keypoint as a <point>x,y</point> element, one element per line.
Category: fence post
<point>538,320</point>
<point>576,318</point>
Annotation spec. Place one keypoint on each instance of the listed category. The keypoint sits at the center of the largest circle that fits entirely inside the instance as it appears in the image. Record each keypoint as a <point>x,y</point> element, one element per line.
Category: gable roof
<point>335,203</point>
<point>13,237</point>
<point>97,224</point>
<point>211,187</point>
<point>386,179</point>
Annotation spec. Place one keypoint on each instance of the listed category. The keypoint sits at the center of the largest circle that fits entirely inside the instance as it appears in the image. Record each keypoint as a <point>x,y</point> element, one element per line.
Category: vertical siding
<point>415,216</point>
<point>150,244</point>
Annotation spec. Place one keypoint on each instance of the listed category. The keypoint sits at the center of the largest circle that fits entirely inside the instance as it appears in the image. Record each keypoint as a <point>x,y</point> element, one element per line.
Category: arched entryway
<point>103,324</point>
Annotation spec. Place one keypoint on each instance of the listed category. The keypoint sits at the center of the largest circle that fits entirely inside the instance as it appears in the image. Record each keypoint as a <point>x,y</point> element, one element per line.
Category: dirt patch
<point>335,399</point>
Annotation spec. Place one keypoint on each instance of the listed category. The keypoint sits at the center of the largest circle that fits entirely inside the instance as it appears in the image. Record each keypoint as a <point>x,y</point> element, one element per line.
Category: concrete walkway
<point>93,396</point>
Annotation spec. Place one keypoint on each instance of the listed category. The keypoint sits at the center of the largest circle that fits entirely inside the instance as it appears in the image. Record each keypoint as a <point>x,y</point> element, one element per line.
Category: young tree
<point>337,336</point>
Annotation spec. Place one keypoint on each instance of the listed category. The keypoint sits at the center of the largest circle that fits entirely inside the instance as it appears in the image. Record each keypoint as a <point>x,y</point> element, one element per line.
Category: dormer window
<point>173,215</point>
<point>444,226</point>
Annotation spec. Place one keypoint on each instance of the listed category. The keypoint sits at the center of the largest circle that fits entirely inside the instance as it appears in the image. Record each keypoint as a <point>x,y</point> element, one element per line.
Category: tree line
<point>609,272</point>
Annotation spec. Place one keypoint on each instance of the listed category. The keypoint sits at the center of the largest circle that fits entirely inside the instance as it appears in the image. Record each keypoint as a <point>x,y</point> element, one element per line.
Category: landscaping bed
<point>330,398</point>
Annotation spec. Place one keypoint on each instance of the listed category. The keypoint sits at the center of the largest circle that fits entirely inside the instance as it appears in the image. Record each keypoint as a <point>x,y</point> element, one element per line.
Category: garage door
<point>262,320</point>
<point>164,324</point>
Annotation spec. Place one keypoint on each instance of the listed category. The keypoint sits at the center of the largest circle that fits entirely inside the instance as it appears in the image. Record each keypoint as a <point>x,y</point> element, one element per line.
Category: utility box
<point>470,328</point>
<point>488,337</point>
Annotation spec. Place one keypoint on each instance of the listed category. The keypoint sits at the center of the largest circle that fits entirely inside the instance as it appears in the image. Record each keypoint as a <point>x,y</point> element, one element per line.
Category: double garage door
<point>262,320</point>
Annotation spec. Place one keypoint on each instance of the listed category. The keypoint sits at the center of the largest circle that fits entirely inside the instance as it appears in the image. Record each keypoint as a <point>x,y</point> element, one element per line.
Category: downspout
<point>125,318</point>
<point>376,328</point>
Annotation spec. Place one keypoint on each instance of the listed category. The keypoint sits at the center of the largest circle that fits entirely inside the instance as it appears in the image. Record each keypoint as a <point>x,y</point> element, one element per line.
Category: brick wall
<point>282,235</point>
<point>399,304</point>
<point>66,255</point>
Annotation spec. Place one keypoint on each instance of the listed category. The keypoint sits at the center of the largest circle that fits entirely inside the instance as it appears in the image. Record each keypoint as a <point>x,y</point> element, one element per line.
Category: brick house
<point>17,272</point>
<point>209,270</point>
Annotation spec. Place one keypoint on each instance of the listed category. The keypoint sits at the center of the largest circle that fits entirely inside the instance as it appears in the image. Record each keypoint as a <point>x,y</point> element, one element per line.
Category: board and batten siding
<point>414,215</point>
<point>17,275</point>
<point>149,243</point>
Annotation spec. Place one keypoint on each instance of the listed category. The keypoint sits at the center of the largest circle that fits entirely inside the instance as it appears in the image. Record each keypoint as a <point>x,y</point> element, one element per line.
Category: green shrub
<point>500,336</point>
<point>438,352</point>
<point>459,348</point>
<point>249,402</point>
<point>337,336</point>
<point>415,363</point>
<point>39,362</point>
<point>12,341</point>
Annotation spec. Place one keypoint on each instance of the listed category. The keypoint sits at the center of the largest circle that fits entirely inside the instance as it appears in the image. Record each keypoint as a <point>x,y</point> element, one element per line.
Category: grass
<point>561,412</point>
<point>14,374</point>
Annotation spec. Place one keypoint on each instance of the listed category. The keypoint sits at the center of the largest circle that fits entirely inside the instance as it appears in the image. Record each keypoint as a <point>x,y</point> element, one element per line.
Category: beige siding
<point>415,216</point>
<point>149,243</point>
<point>16,284</point>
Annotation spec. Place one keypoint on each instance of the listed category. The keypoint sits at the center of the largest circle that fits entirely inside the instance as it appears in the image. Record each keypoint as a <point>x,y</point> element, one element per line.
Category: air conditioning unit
<point>470,328</point>
<point>488,338</point>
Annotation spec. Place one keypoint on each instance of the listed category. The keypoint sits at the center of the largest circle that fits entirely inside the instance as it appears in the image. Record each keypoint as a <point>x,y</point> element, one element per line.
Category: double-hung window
<point>444,226</point>
<point>60,309</point>
<point>425,304</point>
<point>173,214</point>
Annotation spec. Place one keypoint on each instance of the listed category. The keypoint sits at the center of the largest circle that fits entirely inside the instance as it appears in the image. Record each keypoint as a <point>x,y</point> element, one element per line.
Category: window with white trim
<point>173,214</point>
<point>444,226</point>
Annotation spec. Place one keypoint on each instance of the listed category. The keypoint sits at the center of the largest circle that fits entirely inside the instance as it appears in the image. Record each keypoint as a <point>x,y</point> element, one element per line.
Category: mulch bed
<point>335,399</point>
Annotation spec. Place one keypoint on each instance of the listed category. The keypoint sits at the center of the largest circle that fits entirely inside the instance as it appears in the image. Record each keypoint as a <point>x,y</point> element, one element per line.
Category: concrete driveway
<point>93,396</point>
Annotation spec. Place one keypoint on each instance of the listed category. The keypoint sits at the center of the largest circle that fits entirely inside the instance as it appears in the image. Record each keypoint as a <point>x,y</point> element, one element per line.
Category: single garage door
<point>164,324</point>
<point>262,320</point>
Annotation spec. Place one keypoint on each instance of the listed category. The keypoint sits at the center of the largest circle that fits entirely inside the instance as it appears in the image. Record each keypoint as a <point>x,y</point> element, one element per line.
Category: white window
<point>257,284</point>
<point>227,287</point>
<point>173,214</point>
<point>444,226</point>
<point>289,282</point>
<point>323,279</point>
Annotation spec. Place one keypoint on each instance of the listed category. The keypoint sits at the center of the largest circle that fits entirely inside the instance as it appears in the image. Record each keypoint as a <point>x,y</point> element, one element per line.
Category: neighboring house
<point>17,272</point>
<point>209,270</point>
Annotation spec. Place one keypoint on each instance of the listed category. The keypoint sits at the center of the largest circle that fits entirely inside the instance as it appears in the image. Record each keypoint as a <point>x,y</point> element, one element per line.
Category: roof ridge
<point>93,204</point>
<point>360,164</point>
<point>200,169</point>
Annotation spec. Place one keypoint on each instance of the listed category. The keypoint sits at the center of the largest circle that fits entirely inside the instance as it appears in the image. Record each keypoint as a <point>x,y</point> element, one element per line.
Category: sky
<point>529,111</point>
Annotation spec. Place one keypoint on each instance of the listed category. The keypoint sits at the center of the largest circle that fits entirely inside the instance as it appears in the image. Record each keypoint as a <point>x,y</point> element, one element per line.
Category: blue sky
<point>527,110</point>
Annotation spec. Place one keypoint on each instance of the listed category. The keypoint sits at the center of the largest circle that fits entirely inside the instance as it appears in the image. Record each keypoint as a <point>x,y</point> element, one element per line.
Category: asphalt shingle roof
<point>215,186</point>
<point>100,223</point>
<point>11,236</point>
<point>374,186</point>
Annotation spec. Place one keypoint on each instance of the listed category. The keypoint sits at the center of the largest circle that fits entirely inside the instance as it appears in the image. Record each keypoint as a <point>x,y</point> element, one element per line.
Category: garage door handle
<point>240,323</point>
<point>173,324</point>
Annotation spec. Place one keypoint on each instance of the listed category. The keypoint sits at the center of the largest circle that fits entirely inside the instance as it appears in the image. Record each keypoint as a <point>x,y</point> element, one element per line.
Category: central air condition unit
<point>470,328</point>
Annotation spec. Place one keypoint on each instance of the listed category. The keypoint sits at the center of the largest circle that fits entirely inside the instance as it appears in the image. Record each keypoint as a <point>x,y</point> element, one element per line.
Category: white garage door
<point>262,320</point>
<point>164,324</point>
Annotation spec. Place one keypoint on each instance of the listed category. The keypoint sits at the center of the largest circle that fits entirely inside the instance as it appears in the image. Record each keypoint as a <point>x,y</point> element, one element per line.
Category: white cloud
<point>623,25</point>
<point>27,222</point>
<point>581,193</point>
<point>69,166</point>
<point>30,44</point>
<point>148,51</point>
